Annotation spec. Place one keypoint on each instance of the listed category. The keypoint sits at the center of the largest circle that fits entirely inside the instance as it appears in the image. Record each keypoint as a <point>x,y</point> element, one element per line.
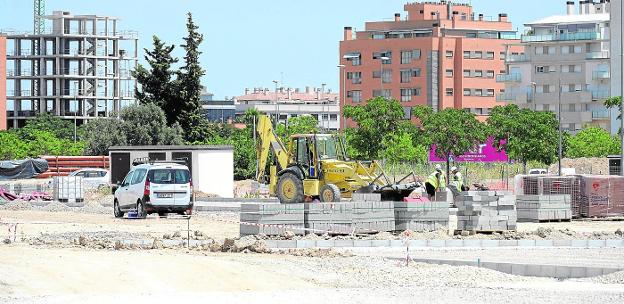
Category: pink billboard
<point>484,153</point>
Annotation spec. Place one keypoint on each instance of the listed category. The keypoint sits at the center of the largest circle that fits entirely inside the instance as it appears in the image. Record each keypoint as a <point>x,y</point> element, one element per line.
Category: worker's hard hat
<point>438,167</point>
<point>454,169</point>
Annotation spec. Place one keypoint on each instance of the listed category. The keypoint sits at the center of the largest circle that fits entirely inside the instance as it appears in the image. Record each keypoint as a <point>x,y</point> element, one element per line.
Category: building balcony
<point>598,55</point>
<point>512,97</point>
<point>514,77</point>
<point>600,94</point>
<point>602,114</point>
<point>601,75</point>
<point>518,58</point>
<point>562,37</point>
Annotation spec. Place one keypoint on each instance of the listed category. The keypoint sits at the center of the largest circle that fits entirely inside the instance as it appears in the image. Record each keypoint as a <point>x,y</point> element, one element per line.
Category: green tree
<point>101,134</point>
<point>147,125</point>
<point>399,148</point>
<point>378,118</point>
<point>304,124</point>
<point>12,146</point>
<point>524,134</point>
<point>61,128</point>
<point>592,142</point>
<point>189,82</point>
<point>453,132</point>
<point>157,84</point>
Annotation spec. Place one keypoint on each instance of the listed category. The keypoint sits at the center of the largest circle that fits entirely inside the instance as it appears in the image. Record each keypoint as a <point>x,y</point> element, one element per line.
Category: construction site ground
<point>48,265</point>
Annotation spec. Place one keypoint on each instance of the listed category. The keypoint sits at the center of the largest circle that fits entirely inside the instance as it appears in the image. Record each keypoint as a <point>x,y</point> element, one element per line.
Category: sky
<point>251,43</point>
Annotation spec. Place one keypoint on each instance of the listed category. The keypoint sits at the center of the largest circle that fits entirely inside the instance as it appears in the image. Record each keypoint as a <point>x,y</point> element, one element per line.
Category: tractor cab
<point>309,151</point>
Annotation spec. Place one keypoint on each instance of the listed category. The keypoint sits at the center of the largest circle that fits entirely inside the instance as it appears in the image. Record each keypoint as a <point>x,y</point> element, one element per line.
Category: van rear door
<point>170,186</point>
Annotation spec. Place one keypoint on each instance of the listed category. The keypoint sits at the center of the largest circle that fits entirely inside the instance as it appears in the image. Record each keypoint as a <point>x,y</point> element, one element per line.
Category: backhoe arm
<point>268,141</point>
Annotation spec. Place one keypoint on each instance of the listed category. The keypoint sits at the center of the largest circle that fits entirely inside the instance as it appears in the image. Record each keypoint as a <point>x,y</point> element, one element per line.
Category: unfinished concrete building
<point>77,69</point>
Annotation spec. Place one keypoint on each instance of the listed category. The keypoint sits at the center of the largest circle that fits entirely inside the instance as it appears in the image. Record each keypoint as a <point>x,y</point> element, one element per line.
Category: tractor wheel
<point>330,193</point>
<point>290,189</point>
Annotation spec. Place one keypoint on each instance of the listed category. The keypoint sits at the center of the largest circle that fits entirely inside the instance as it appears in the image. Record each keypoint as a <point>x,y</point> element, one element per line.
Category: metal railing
<point>506,97</point>
<point>518,58</point>
<point>601,114</point>
<point>600,94</point>
<point>562,37</point>
<point>598,55</point>
<point>601,75</point>
<point>513,77</point>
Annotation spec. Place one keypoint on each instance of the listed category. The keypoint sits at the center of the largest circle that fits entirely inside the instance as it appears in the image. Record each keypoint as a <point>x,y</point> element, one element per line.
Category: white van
<point>155,188</point>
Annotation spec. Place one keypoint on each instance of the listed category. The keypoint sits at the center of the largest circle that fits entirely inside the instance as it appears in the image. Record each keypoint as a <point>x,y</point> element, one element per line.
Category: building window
<point>467,92</point>
<point>489,74</point>
<point>416,72</point>
<point>449,54</point>
<point>502,56</point>
<point>478,92</point>
<point>489,55</point>
<point>333,117</point>
<point>406,57</point>
<point>539,50</point>
<point>466,73</point>
<point>406,76</point>
<point>449,92</point>
<point>356,96</point>
<point>376,74</point>
<point>466,54</point>
<point>541,69</point>
<point>578,49</point>
<point>406,95</point>
<point>379,55</point>
<point>386,93</point>
<point>355,58</point>
<point>490,92</point>
<point>566,49</point>
<point>449,73</point>
<point>478,55</point>
<point>478,73</point>
<point>386,76</point>
<point>355,77</point>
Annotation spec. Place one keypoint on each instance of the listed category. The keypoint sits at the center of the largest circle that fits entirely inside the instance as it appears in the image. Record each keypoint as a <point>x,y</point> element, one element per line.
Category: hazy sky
<point>251,43</point>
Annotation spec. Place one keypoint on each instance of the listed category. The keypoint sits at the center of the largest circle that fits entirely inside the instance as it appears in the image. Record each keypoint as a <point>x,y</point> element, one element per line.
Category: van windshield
<point>169,176</point>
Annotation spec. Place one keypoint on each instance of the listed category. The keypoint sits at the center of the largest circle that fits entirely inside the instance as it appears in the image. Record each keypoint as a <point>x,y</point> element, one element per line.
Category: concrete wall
<point>215,172</point>
<point>616,59</point>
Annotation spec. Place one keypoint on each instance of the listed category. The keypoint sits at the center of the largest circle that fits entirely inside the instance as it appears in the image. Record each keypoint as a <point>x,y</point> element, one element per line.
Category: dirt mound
<point>598,166</point>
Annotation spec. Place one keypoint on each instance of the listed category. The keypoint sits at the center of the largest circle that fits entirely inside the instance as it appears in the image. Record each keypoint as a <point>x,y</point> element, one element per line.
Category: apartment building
<point>3,120</point>
<point>441,55</point>
<point>77,69</point>
<point>287,103</point>
<point>222,111</point>
<point>616,60</point>
<point>566,66</point>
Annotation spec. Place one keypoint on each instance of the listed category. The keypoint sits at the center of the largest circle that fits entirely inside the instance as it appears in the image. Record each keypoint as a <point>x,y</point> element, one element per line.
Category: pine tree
<point>189,82</point>
<point>157,85</point>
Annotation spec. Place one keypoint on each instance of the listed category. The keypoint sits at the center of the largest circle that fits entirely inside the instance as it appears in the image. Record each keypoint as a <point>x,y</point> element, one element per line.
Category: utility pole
<point>622,87</point>
<point>560,131</point>
<point>276,106</point>
<point>343,69</point>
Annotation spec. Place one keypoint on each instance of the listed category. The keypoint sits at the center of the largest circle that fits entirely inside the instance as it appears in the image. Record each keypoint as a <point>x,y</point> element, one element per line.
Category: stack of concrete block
<point>538,208</point>
<point>421,216</point>
<point>271,218</point>
<point>486,211</point>
<point>337,218</point>
<point>373,216</point>
<point>366,197</point>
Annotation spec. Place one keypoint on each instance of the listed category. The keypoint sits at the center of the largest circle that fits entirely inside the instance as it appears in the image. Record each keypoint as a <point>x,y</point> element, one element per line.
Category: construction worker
<point>457,181</point>
<point>435,182</point>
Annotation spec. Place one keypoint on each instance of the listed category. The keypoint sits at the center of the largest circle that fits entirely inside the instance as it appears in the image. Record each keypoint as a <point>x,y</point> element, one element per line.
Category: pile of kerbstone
<point>421,216</point>
<point>486,211</point>
<point>544,208</point>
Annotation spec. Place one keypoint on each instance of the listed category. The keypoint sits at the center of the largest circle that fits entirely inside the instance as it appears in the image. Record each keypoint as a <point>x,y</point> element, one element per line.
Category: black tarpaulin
<point>19,169</point>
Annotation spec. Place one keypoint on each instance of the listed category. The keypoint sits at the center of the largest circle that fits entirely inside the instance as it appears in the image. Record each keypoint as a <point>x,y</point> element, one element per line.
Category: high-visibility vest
<point>458,180</point>
<point>442,185</point>
<point>433,179</point>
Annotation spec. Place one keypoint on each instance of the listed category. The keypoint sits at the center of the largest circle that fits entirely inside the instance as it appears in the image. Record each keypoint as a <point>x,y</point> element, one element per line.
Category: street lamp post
<point>560,131</point>
<point>276,105</point>
<point>344,93</point>
<point>534,87</point>
<point>76,111</point>
<point>622,89</point>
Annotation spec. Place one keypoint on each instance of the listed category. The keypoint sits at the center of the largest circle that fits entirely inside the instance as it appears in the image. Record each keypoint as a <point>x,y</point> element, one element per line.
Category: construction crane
<point>39,12</point>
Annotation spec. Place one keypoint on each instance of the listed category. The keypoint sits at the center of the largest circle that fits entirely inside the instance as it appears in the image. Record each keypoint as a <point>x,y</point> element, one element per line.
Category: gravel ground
<point>236,278</point>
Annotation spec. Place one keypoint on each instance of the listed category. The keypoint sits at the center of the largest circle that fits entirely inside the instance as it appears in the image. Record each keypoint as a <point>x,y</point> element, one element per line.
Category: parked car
<point>95,177</point>
<point>155,188</point>
<point>538,171</point>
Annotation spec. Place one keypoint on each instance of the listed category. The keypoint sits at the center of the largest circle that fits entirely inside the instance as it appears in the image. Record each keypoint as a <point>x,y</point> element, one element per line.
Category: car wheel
<point>141,210</point>
<point>116,210</point>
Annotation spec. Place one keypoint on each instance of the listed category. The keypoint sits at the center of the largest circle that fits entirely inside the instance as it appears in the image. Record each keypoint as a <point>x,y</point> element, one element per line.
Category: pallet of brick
<point>421,216</point>
<point>486,211</point>
<point>551,185</point>
<point>373,216</point>
<point>595,196</point>
<point>616,194</point>
<point>271,218</point>
<point>544,208</point>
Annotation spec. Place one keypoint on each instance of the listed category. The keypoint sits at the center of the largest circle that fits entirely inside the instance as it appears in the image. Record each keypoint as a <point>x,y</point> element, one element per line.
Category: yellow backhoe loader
<point>315,166</point>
